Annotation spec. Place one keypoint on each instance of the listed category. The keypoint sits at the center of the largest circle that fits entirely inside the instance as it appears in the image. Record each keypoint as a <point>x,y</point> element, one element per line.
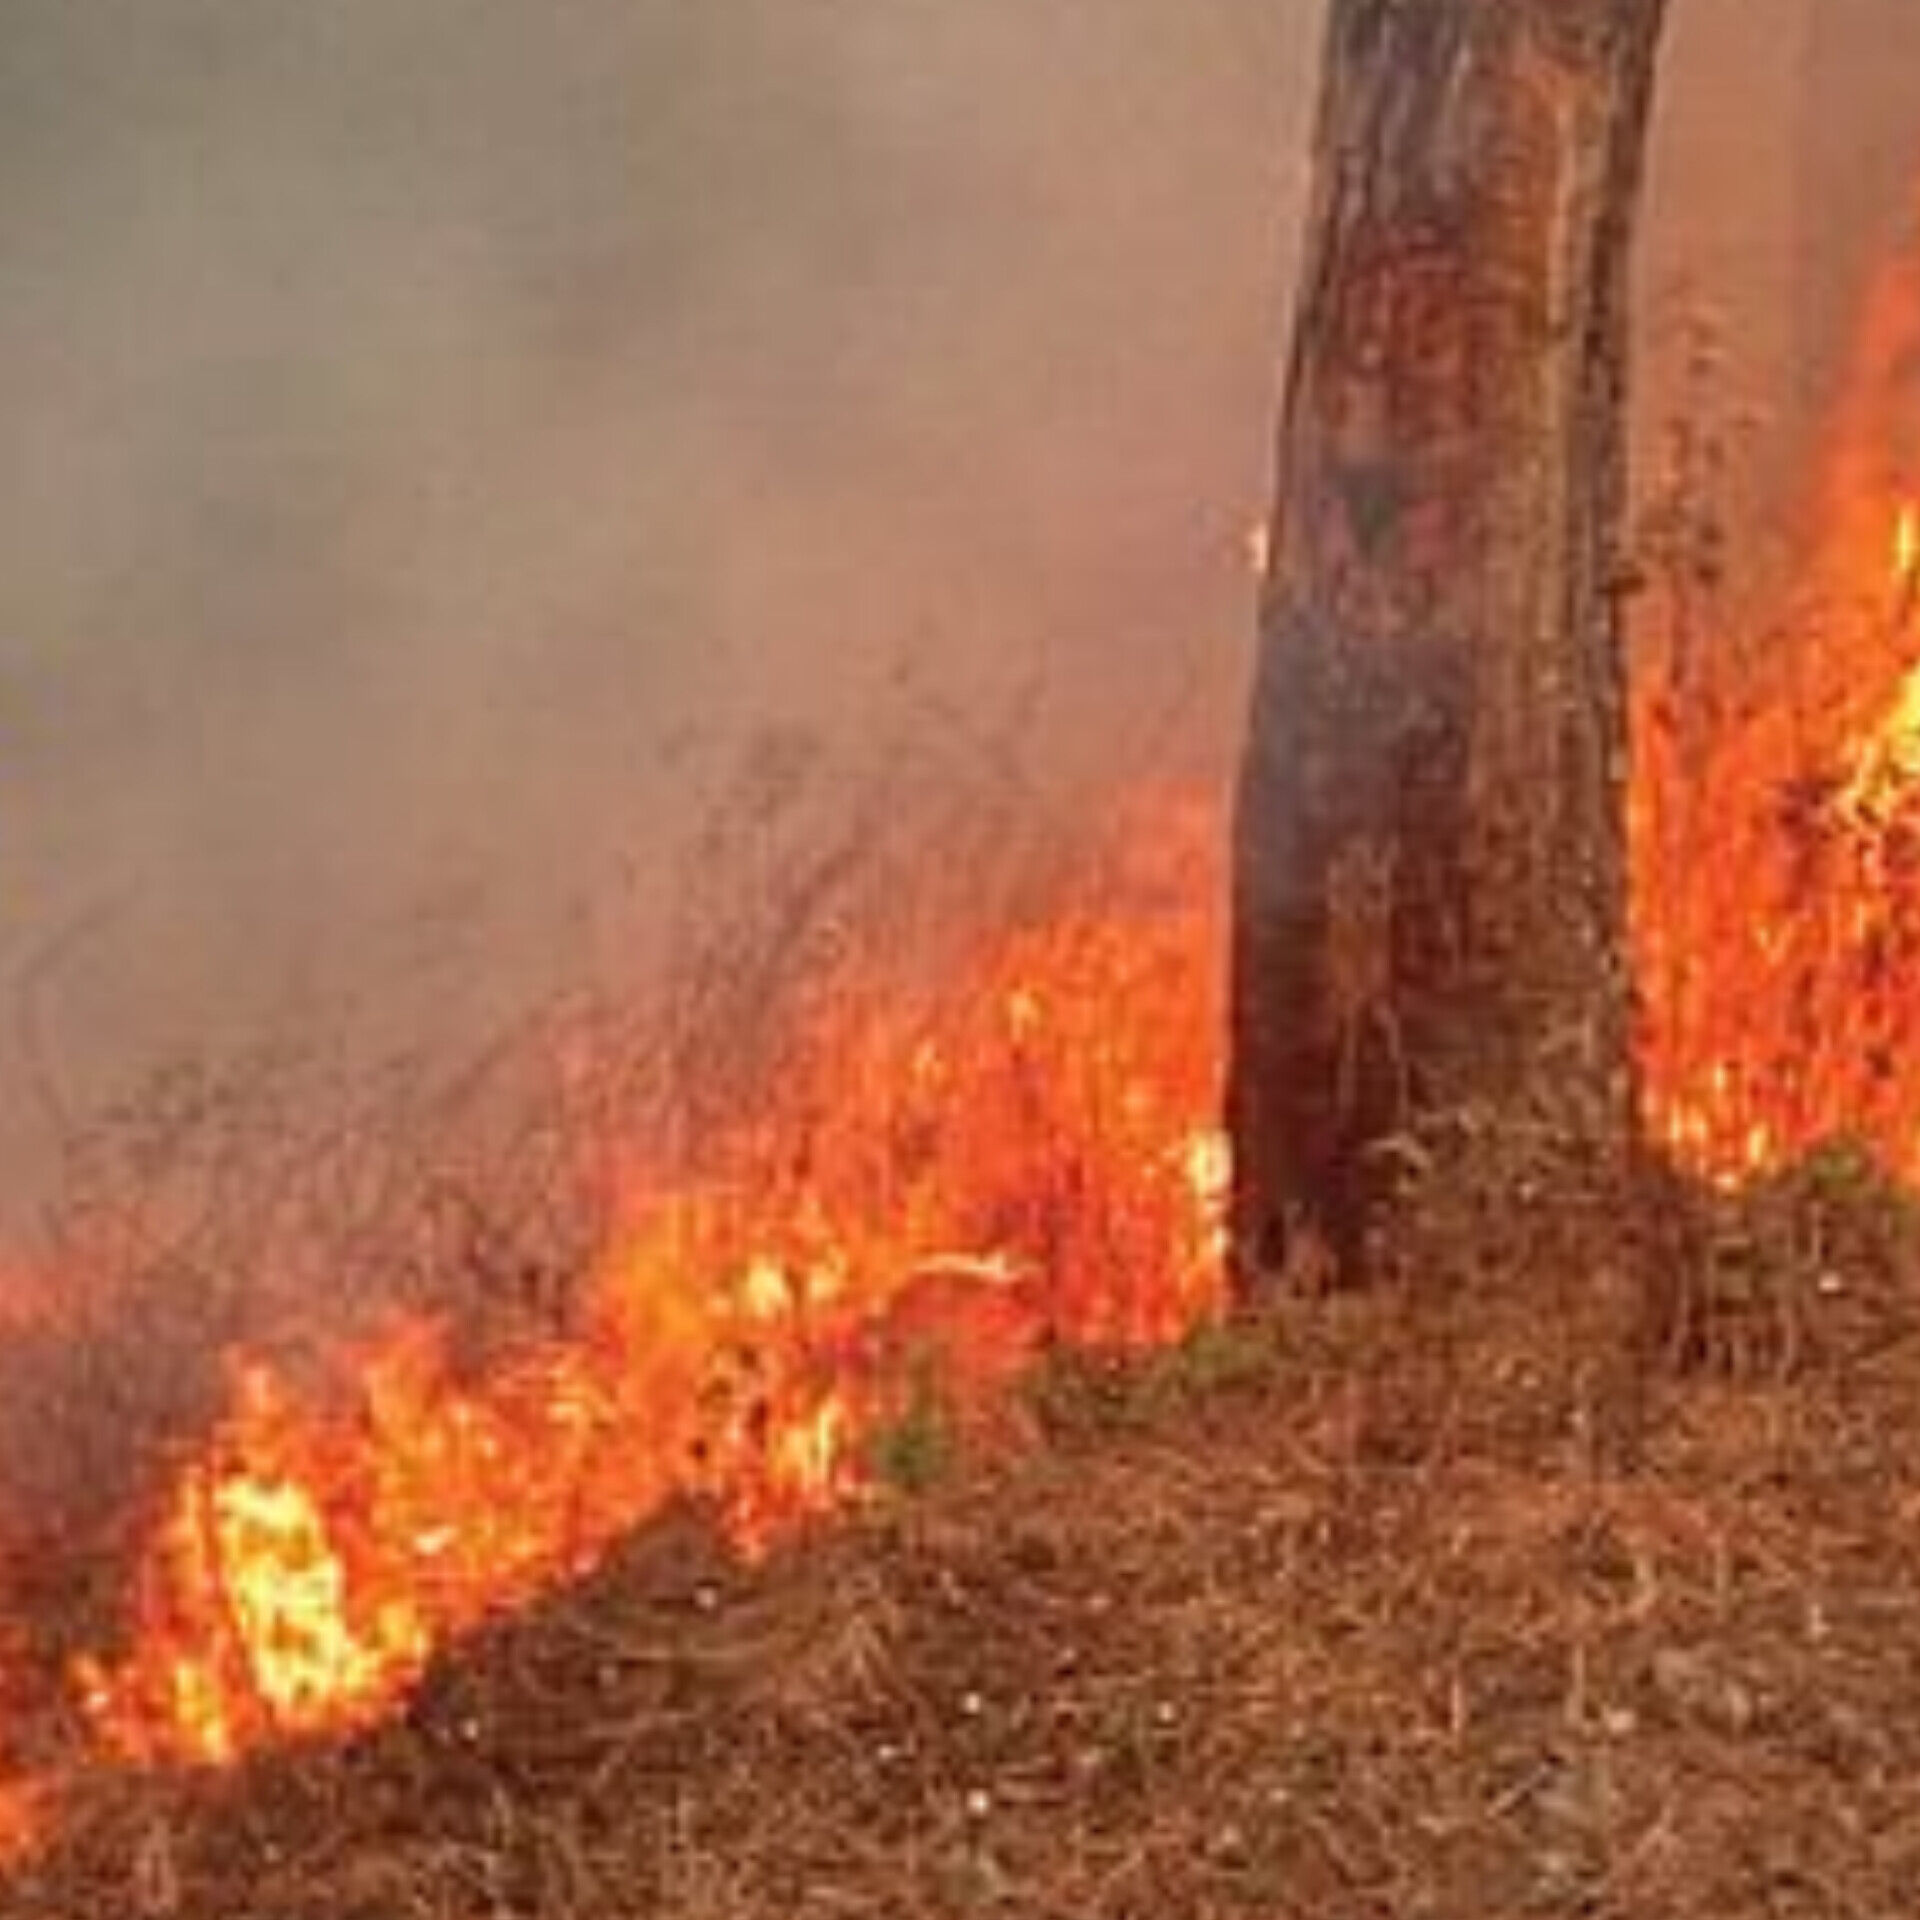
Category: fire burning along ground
<point>945,1185</point>
<point>953,1181</point>
<point>1776,813</point>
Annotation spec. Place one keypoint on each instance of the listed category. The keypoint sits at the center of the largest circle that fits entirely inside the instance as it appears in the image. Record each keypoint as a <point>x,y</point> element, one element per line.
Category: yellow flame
<point>1906,550</point>
<point>1026,1153</point>
<point>1887,763</point>
<point>288,1590</point>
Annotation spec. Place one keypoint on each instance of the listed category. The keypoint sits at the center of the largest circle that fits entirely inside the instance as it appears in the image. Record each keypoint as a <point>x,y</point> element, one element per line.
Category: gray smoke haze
<point>437,428</point>
<point>439,431</point>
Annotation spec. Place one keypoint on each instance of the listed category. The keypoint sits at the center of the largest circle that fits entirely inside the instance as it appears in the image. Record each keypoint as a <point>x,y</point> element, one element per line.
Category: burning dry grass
<point>1776,790</point>
<point>1443,1603</point>
<point>565,1306</point>
<point>1343,1614</point>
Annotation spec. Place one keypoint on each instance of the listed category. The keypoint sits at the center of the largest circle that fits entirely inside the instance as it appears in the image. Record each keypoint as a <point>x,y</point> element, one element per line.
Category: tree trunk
<point>1429,879</point>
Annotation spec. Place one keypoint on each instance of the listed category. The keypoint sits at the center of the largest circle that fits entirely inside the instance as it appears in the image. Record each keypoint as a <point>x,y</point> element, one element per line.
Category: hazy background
<point>439,433</point>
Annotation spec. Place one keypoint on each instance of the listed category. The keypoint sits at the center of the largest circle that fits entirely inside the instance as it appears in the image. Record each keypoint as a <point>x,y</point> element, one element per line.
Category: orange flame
<point>26,1811</point>
<point>1906,551</point>
<point>1032,1155</point>
<point>1776,818</point>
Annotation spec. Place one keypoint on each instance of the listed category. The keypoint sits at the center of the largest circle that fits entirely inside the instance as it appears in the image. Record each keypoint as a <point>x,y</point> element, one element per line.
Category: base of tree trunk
<point>1429,859</point>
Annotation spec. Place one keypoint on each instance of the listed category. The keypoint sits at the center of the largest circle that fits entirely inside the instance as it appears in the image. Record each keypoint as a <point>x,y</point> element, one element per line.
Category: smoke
<point>439,432</point>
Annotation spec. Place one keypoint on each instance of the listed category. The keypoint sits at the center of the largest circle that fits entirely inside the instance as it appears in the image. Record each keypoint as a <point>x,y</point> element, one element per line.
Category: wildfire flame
<point>1776,817</point>
<point>24,1813</point>
<point>1031,1154</point>
<point>1906,552</point>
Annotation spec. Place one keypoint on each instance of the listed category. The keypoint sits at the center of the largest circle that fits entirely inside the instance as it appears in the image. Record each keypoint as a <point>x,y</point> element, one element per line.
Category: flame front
<point>1776,816</point>
<point>1033,1153</point>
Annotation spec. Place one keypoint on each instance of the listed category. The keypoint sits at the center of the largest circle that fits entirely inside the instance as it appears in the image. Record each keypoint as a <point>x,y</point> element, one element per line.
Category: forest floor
<point>1374,1608</point>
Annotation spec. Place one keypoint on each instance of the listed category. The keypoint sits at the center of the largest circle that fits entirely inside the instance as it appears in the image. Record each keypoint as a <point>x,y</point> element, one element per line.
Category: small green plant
<point>915,1451</point>
<point>1840,1168</point>
<point>1217,1356</point>
<point>1081,1392</point>
<point>1851,1209</point>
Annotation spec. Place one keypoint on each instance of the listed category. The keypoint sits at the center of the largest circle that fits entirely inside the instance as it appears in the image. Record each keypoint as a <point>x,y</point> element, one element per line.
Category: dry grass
<point>1347,1613</point>
<point>1450,1602</point>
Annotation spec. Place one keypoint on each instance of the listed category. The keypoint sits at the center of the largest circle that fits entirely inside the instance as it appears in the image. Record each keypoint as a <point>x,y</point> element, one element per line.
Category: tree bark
<point>1429,877</point>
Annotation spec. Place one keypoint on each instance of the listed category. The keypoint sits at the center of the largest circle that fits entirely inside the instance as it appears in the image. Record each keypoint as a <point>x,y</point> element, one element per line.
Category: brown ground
<point>1381,1609</point>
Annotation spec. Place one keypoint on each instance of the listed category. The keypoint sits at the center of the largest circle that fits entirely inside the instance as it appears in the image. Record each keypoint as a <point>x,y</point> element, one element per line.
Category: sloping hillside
<point>1382,1608</point>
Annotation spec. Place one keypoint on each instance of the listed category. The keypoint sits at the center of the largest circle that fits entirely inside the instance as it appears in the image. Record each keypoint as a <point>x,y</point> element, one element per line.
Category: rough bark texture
<point>1429,867</point>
